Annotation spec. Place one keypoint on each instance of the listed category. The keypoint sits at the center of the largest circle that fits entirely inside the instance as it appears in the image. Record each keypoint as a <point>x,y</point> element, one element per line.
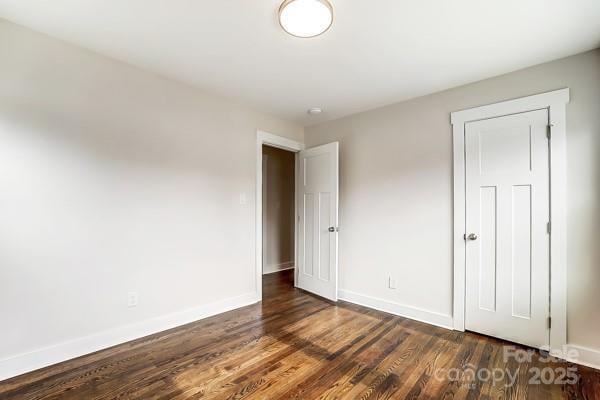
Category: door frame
<point>555,102</point>
<point>269,139</point>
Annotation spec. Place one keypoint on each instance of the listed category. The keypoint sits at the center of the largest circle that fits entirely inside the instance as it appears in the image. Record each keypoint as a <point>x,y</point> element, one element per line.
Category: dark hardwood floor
<point>297,346</point>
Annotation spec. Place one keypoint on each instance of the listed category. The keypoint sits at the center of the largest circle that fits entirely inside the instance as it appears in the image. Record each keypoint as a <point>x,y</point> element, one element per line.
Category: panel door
<point>507,216</point>
<point>318,221</point>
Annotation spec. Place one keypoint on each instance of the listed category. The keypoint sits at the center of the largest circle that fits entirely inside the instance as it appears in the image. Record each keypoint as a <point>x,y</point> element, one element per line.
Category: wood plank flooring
<point>297,346</point>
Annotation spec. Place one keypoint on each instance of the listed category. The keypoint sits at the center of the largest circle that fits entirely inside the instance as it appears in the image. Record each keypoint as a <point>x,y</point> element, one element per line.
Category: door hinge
<point>549,131</point>
<point>549,322</point>
<point>549,227</point>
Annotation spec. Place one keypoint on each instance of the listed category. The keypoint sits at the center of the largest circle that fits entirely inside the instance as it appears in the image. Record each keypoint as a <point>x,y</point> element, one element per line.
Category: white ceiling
<point>377,52</point>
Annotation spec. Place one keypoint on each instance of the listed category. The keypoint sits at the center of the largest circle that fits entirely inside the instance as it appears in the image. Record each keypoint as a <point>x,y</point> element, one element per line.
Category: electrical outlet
<point>392,284</point>
<point>243,199</point>
<point>132,299</point>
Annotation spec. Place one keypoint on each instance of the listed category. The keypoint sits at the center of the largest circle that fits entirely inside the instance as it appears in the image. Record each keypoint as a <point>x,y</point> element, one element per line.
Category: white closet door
<point>507,211</point>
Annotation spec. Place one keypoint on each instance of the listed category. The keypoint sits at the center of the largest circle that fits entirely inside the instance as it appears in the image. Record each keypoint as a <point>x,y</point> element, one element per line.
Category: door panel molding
<point>555,102</point>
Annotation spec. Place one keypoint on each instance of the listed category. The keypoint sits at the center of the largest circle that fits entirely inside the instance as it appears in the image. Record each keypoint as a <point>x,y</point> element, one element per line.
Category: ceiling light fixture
<point>315,111</point>
<point>306,18</point>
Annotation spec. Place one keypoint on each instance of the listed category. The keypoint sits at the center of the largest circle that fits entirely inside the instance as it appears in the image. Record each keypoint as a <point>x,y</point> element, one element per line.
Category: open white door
<point>318,221</point>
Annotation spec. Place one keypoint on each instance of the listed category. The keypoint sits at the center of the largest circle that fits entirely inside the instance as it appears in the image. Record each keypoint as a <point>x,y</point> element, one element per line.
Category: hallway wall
<point>278,203</point>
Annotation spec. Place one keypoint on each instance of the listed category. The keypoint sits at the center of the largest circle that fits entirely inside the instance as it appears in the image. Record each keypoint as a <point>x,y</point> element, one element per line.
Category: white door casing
<point>508,209</point>
<point>318,221</point>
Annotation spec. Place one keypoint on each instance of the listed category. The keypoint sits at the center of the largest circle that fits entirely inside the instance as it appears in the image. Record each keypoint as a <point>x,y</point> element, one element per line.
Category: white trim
<point>555,102</point>
<point>273,268</point>
<point>297,200</point>
<point>583,356</point>
<point>535,102</point>
<point>417,314</point>
<point>281,143</point>
<point>26,362</point>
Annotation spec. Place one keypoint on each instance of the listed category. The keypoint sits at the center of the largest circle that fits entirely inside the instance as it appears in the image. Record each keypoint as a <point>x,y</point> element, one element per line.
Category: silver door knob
<point>472,236</point>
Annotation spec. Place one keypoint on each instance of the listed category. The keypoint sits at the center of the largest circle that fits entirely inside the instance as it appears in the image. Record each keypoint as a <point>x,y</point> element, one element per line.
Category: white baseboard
<point>270,269</point>
<point>585,356</point>
<point>428,317</point>
<point>26,362</point>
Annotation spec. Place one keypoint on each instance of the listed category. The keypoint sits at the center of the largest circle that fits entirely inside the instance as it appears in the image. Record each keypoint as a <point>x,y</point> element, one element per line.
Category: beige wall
<point>278,226</point>
<point>116,180</point>
<point>396,190</point>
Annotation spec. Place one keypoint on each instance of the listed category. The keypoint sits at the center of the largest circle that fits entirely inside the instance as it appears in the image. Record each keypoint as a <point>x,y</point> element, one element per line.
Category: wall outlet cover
<point>132,299</point>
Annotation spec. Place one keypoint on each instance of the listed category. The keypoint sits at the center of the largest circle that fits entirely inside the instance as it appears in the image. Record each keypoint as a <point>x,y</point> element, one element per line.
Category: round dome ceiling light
<point>315,111</point>
<point>305,18</point>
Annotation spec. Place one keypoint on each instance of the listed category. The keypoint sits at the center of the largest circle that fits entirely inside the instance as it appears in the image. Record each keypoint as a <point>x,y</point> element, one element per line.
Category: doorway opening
<point>268,142</point>
<point>278,220</point>
<point>315,217</point>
